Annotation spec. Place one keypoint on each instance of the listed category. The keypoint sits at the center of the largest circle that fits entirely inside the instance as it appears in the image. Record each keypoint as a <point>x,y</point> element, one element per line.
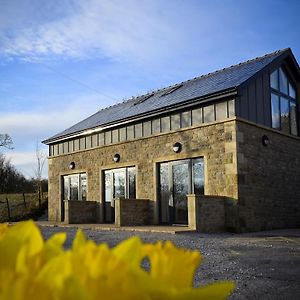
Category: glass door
<point>119,183</point>
<point>177,179</point>
<point>181,183</point>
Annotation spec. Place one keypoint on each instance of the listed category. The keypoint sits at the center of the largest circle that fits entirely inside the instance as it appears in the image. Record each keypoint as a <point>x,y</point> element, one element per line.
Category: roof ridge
<point>235,65</point>
<point>195,78</point>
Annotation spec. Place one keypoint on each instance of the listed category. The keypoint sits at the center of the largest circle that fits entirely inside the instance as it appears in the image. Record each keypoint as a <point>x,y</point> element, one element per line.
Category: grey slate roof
<point>198,87</point>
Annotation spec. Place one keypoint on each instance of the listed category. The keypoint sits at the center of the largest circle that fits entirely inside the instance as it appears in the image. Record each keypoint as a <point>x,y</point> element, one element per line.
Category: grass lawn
<point>19,209</point>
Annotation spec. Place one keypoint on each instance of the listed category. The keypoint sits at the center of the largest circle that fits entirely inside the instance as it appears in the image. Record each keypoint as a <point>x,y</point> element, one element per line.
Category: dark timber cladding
<point>255,100</point>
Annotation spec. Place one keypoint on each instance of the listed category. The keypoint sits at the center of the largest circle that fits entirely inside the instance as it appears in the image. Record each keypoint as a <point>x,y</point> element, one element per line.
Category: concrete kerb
<point>112,227</point>
<point>293,232</point>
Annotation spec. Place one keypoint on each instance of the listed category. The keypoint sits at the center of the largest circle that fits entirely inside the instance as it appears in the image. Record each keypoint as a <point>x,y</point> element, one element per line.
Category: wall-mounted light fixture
<point>72,165</point>
<point>177,147</point>
<point>265,140</point>
<point>116,157</point>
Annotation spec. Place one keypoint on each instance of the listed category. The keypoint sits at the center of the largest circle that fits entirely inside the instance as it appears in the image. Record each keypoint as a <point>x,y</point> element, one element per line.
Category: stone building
<point>217,152</point>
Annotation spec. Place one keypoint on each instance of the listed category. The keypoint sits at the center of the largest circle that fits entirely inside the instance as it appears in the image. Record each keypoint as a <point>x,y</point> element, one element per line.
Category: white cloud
<point>25,162</point>
<point>115,29</point>
<point>29,128</point>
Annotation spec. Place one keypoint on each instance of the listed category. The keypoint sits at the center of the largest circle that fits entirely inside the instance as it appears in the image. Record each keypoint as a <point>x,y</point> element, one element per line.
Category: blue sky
<point>62,60</point>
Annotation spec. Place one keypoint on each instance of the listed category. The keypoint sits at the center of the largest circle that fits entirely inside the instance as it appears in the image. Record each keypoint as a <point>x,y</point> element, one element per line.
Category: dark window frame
<point>278,92</point>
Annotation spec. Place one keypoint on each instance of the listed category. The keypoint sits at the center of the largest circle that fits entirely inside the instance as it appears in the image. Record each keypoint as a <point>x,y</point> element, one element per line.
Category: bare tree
<point>6,141</point>
<point>38,171</point>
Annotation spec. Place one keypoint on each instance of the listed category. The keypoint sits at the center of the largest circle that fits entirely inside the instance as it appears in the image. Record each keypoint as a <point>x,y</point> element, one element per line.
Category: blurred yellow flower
<point>33,269</point>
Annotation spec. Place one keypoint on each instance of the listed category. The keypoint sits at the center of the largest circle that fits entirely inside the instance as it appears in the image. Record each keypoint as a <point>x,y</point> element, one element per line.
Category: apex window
<point>283,102</point>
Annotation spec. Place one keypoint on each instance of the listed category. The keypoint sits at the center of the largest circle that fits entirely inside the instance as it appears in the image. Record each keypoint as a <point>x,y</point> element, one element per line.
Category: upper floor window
<point>283,102</point>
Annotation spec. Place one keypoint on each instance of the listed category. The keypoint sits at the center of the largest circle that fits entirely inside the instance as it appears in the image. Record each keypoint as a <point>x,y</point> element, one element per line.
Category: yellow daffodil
<point>33,269</point>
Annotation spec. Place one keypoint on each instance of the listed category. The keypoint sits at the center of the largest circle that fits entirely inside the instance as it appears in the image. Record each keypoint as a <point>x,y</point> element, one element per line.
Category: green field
<point>18,209</point>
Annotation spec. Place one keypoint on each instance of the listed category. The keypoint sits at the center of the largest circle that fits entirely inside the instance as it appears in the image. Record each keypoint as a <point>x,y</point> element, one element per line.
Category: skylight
<point>143,99</point>
<point>171,90</point>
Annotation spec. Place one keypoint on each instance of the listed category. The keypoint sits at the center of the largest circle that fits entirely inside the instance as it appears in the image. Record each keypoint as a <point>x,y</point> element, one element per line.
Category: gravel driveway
<point>263,267</point>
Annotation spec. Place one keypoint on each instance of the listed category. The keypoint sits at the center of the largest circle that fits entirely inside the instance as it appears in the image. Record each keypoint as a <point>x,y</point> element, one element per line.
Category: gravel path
<point>263,267</point>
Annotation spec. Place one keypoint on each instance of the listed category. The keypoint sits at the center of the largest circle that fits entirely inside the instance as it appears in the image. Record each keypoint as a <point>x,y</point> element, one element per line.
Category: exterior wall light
<point>265,140</point>
<point>177,147</point>
<point>72,165</point>
<point>116,157</point>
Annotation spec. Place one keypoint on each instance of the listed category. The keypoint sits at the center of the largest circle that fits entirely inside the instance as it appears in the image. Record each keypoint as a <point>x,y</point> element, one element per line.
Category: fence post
<point>8,210</point>
<point>24,200</point>
<point>40,197</point>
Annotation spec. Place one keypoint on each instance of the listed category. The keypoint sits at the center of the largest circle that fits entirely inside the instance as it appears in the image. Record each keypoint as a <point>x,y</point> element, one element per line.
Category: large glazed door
<point>114,188</point>
<point>181,182</point>
<point>177,179</point>
<point>175,184</point>
<point>165,194</point>
<point>119,183</point>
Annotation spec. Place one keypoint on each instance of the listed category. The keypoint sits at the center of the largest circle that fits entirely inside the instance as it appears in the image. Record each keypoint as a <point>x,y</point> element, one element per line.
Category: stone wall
<point>133,212</point>
<point>269,179</point>
<point>77,212</point>
<point>216,142</point>
<point>206,213</point>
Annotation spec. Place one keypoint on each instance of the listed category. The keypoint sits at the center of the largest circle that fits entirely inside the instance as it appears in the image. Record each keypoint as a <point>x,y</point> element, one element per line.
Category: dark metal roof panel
<point>195,88</point>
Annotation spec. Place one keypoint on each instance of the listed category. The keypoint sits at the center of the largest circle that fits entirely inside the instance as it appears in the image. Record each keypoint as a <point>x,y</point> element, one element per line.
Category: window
<point>186,119</point>
<point>197,116</point>
<point>61,148</point>
<point>285,115</point>
<point>55,149</point>
<point>209,113</point>
<point>66,147</point>
<point>107,138</point>
<point>231,109</point>
<point>274,80</point>
<point>75,187</point>
<point>293,114</point>
<point>143,99</point>
<point>177,179</point>
<point>147,128</point>
<point>275,111</point>
<point>292,92</point>
<point>71,146</point>
<point>101,138</point>
<point>175,122</point>
<point>283,82</point>
<point>115,136</point>
<point>82,144</point>
<point>221,111</point>
<point>198,176</point>
<point>88,142</point>
<point>283,102</point>
<point>95,140</point>
<point>138,130</point>
<point>156,126</point>
<point>165,124</point>
<point>76,144</point>
<point>171,90</point>
<point>130,132</point>
<point>120,183</point>
<point>122,133</point>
